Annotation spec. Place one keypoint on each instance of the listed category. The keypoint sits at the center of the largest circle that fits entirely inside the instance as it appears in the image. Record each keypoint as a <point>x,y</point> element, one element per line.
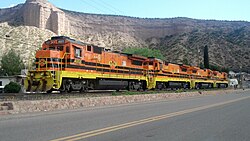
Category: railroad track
<point>45,96</point>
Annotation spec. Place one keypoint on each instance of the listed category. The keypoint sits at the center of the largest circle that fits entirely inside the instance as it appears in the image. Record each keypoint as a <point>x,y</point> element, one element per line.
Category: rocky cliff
<point>178,38</point>
<point>41,14</point>
<point>38,13</point>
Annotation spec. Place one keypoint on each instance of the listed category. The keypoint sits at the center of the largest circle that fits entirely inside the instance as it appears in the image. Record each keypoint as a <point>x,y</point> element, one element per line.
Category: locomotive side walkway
<point>15,107</point>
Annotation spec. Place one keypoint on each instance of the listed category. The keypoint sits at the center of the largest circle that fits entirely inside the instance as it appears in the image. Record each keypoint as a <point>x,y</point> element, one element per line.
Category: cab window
<point>161,66</point>
<point>89,48</point>
<point>52,48</point>
<point>59,48</point>
<point>135,62</point>
<point>78,52</point>
<point>67,50</point>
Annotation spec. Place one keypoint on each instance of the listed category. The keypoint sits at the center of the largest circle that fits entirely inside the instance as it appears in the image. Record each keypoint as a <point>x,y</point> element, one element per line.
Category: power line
<point>103,5</point>
<point>92,6</point>
<point>112,7</point>
<point>106,6</point>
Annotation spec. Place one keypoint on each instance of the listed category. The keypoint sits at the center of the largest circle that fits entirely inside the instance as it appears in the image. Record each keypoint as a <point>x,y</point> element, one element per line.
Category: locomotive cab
<point>153,64</point>
<point>49,60</point>
<point>152,67</point>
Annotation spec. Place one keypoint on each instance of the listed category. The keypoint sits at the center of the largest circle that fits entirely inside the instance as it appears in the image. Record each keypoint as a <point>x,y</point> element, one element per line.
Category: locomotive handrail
<point>39,64</point>
<point>66,60</point>
<point>46,63</point>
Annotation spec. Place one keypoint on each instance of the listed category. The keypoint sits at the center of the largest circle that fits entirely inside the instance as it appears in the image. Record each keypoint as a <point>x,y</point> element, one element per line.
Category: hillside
<point>178,38</point>
<point>230,48</point>
<point>25,40</point>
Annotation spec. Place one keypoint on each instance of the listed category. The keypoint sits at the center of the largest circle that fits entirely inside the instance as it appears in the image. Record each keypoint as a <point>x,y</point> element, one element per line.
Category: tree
<point>146,52</point>
<point>185,61</point>
<point>206,57</point>
<point>11,64</point>
<point>217,68</point>
<point>201,65</point>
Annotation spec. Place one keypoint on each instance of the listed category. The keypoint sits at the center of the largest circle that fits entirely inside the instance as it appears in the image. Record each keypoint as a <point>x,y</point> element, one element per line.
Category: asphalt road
<point>210,118</point>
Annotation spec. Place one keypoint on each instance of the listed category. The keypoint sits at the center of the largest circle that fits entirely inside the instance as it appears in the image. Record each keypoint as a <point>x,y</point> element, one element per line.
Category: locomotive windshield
<point>56,48</point>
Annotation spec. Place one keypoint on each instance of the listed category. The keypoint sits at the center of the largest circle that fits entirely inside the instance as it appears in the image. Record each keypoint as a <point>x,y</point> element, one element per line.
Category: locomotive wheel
<point>130,86</point>
<point>197,86</point>
<point>159,86</point>
<point>209,86</point>
<point>217,85</point>
<point>139,89</point>
<point>68,88</point>
<point>83,90</point>
<point>186,86</point>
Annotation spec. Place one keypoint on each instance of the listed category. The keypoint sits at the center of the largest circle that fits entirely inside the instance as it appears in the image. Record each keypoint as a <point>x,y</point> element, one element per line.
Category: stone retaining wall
<point>14,107</point>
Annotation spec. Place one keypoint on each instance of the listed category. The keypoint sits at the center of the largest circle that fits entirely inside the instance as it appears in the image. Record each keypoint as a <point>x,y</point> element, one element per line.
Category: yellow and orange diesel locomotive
<point>66,65</point>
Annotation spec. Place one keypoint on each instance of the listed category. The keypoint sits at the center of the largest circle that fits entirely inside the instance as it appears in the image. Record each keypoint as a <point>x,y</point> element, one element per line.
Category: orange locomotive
<point>167,75</point>
<point>68,65</point>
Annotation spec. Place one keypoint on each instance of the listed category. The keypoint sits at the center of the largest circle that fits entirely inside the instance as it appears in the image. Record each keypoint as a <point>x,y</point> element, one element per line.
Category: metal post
<point>241,83</point>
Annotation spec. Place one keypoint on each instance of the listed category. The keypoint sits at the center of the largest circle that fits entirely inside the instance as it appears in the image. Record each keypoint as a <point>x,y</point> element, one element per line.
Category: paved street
<point>210,118</point>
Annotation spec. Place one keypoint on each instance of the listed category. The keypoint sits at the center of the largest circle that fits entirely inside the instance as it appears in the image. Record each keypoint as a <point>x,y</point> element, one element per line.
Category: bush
<point>11,64</point>
<point>146,52</point>
<point>12,87</point>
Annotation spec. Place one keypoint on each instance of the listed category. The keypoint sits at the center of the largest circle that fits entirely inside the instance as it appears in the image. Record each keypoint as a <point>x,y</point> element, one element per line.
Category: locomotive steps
<point>15,107</point>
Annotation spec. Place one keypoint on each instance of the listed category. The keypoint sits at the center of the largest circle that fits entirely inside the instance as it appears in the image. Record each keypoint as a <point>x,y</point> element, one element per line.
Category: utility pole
<point>198,57</point>
<point>241,83</point>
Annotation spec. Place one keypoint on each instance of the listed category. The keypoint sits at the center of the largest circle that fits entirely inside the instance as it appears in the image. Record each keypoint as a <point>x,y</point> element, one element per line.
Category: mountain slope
<point>25,40</point>
<point>230,49</point>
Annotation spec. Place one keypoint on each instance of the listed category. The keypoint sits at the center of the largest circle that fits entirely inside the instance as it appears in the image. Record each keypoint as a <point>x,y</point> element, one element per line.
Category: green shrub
<point>12,87</point>
<point>146,52</point>
<point>11,63</point>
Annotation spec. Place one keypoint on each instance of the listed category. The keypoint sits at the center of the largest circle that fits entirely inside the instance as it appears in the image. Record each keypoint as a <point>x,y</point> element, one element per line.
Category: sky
<point>198,9</point>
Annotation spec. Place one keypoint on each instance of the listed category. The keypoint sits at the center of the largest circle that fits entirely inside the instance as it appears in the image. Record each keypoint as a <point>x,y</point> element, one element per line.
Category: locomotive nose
<point>38,81</point>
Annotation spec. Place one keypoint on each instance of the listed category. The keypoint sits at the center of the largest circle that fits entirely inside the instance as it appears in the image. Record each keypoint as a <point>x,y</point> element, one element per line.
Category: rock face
<point>41,14</point>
